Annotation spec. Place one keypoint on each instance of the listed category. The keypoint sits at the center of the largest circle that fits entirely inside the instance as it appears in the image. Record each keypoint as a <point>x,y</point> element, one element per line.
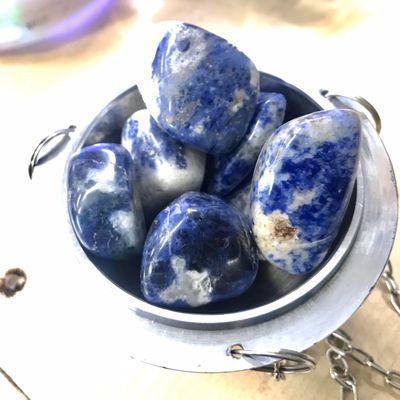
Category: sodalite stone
<point>165,168</point>
<point>301,188</point>
<point>202,90</point>
<point>104,205</point>
<point>233,168</point>
<point>240,199</point>
<point>198,250</point>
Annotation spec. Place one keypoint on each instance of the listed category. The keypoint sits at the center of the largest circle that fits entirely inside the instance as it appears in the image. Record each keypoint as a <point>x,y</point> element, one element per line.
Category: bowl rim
<point>186,319</point>
<point>205,350</point>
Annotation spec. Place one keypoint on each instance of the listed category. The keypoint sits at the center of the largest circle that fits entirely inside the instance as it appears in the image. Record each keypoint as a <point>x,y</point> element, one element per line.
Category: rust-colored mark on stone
<point>283,230</point>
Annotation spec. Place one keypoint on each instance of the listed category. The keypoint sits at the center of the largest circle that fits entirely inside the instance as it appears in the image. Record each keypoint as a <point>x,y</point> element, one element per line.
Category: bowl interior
<point>271,283</point>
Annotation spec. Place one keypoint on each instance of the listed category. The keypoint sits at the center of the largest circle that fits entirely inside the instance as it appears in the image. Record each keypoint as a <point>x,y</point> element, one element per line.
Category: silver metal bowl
<point>280,310</point>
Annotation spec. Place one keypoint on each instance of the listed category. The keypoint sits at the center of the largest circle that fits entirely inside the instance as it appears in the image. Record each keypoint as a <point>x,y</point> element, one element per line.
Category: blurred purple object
<point>27,23</point>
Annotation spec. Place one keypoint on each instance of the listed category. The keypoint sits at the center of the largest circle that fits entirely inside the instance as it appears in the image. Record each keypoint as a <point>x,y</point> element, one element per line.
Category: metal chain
<point>392,287</point>
<point>341,348</point>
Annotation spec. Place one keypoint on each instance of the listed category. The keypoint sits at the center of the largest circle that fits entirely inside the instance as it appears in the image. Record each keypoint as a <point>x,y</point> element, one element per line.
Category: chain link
<point>392,287</point>
<point>341,348</point>
<point>393,378</point>
<point>351,382</point>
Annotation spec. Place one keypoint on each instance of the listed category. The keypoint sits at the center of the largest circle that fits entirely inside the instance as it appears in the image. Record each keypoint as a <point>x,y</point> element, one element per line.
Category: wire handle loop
<point>287,361</point>
<point>44,142</point>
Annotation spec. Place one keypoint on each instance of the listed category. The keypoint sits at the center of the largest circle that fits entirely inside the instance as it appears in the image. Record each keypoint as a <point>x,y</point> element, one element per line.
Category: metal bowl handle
<point>44,142</point>
<point>341,100</point>
<point>287,361</point>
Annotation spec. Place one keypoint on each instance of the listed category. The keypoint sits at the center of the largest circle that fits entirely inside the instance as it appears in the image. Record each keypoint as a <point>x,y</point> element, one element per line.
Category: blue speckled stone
<point>240,199</point>
<point>233,168</point>
<point>301,188</point>
<point>165,168</point>
<point>202,90</point>
<point>198,250</point>
<point>104,205</point>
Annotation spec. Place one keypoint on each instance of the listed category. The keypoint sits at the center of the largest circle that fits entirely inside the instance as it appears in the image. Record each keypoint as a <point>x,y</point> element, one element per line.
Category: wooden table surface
<point>346,45</point>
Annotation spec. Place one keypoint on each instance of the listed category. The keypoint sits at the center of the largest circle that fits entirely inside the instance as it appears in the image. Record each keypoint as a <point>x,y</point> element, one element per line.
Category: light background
<point>58,344</point>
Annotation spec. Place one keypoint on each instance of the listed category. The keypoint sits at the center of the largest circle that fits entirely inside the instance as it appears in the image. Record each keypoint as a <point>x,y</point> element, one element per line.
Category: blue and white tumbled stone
<point>240,199</point>
<point>301,187</point>
<point>165,168</point>
<point>200,89</point>
<point>231,169</point>
<point>103,202</point>
<point>198,250</point>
